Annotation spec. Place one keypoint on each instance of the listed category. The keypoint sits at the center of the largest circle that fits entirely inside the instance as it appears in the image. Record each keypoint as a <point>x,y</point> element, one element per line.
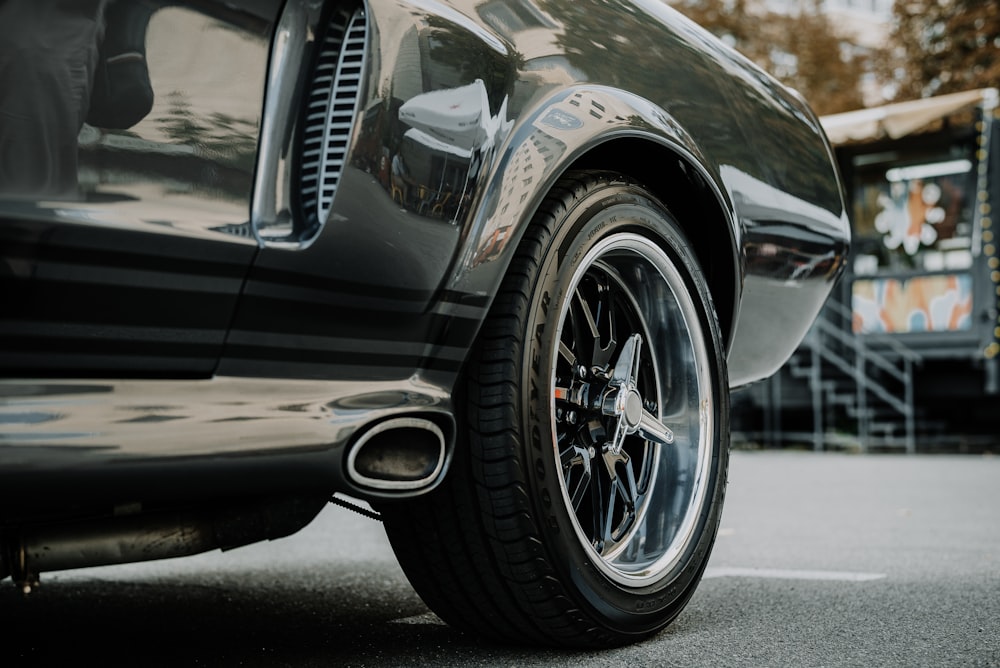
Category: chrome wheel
<point>583,501</point>
<point>630,387</point>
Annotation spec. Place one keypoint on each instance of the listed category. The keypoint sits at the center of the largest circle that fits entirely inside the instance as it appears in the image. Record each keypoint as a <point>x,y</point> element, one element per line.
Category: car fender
<point>555,137</point>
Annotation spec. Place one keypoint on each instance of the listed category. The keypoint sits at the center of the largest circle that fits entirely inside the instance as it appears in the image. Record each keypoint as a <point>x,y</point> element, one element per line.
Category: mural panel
<point>941,303</point>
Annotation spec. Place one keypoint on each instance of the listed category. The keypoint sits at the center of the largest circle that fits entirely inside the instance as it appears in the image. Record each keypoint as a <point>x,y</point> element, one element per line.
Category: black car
<point>490,267</point>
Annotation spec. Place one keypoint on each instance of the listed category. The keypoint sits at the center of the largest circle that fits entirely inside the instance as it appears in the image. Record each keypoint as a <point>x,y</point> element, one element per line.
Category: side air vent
<point>331,100</point>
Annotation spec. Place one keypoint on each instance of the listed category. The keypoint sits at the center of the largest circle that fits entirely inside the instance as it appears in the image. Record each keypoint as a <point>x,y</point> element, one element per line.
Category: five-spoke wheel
<point>585,495</point>
<point>630,381</point>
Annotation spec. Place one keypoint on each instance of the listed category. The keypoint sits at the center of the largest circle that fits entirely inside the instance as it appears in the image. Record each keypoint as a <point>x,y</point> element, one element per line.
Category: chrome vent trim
<point>331,103</point>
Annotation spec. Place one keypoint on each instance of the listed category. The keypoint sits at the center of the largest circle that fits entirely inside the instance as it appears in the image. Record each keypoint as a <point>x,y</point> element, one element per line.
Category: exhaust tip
<point>401,454</point>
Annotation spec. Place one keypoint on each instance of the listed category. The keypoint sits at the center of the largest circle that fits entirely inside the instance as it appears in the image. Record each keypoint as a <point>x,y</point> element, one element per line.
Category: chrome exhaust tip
<point>398,455</point>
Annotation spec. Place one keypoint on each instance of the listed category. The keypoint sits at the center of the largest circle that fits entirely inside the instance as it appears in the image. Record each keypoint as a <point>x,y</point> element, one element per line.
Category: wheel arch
<point>592,128</point>
<point>696,205</point>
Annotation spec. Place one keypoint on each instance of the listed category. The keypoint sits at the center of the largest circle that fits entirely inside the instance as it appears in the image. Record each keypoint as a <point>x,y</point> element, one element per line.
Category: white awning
<point>898,120</point>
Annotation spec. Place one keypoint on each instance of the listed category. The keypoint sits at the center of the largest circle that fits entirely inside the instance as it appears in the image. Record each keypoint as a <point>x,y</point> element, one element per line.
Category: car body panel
<point>223,339</point>
<point>379,265</point>
<point>132,265</point>
<point>67,444</point>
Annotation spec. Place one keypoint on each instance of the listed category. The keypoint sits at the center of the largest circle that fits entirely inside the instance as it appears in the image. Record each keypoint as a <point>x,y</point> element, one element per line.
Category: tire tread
<point>478,522</point>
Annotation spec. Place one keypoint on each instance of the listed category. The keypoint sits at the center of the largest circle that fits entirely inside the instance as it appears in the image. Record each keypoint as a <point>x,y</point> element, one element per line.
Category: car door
<point>128,141</point>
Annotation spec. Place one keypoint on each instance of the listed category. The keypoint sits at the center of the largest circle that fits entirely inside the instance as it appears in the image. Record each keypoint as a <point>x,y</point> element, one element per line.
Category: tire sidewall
<point>611,208</point>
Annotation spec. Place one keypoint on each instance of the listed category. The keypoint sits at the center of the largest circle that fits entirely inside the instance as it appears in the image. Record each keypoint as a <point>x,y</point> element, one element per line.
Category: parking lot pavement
<point>822,560</point>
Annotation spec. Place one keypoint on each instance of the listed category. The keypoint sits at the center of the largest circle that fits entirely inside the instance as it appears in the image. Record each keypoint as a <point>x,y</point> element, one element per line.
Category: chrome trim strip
<point>345,82</point>
<point>273,214</point>
<point>270,218</point>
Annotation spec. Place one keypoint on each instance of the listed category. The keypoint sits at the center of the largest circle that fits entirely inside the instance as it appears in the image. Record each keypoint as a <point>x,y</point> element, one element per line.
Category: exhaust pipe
<point>398,455</point>
<point>26,552</point>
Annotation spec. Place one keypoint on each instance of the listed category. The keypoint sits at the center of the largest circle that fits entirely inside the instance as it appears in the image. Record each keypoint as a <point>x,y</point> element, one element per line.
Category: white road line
<point>721,572</point>
<point>426,618</point>
<point>790,574</point>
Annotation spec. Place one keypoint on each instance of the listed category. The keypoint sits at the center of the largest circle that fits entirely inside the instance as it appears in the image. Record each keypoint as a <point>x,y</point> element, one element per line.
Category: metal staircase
<point>860,388</point>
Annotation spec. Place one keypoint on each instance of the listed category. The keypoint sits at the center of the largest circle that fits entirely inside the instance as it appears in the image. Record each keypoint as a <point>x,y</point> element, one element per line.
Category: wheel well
<point>693,204</point>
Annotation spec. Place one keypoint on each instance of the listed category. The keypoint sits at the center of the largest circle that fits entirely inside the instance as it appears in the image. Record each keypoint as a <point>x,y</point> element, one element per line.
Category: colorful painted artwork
<point>913,217</point>
<point>922,304</point>
<point>910,212</point>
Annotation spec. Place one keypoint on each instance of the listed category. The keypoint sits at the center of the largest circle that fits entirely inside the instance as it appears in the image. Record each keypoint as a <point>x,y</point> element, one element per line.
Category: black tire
<point>532,538</point>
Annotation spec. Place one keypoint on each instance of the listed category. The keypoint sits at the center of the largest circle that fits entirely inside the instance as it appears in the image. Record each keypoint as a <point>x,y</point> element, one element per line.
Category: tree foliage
<point>944,46</point>
<point>802,50</point>
<point>933,47</point>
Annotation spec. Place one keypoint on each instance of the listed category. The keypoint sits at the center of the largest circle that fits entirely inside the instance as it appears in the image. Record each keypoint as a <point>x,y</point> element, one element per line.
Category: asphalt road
<point>823,560</point>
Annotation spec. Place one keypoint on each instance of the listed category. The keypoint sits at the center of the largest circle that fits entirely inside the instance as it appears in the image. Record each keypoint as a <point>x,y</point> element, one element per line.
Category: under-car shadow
<point>246,619</point>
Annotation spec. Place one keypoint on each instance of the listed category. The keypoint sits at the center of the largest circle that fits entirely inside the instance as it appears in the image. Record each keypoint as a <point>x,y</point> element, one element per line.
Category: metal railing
<point>857,372</point>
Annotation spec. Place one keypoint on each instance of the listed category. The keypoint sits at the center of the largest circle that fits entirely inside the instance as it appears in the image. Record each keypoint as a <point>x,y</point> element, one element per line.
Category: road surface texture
<point>822,560</point>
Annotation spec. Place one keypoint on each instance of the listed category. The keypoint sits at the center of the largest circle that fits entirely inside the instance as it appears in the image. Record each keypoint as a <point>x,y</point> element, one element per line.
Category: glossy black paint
<point>162,261</point>
<point>132,265</point>
<point>749,145</point>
